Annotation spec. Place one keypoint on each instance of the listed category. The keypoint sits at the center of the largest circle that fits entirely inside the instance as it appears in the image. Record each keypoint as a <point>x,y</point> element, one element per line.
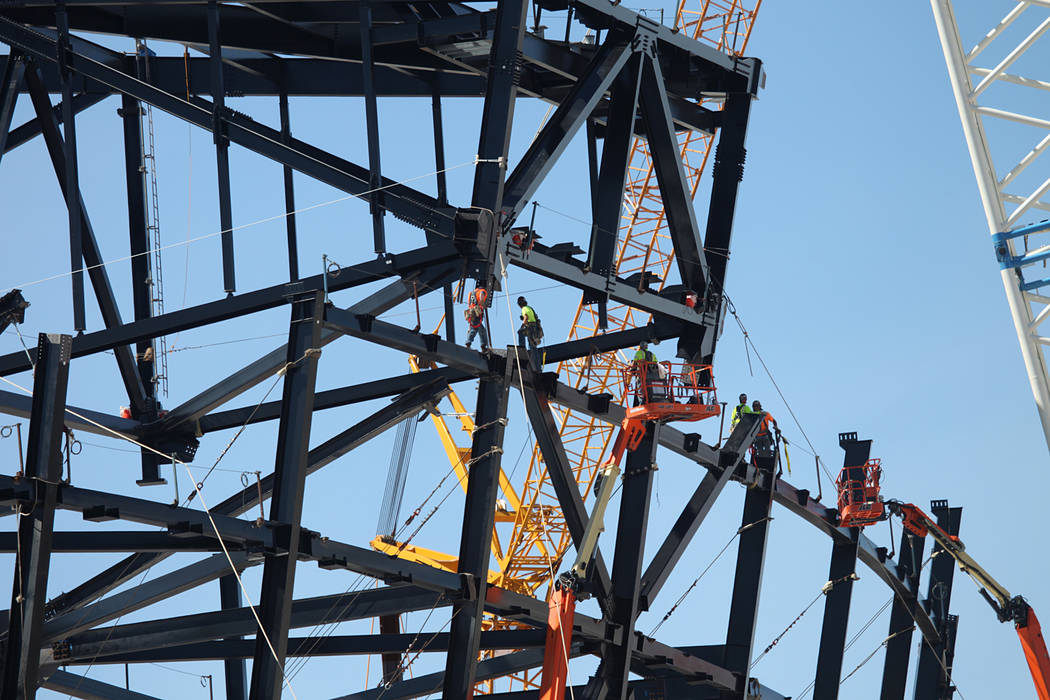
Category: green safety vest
<point>738,412</point>
<point>644,356</point>
<point>529,314</point>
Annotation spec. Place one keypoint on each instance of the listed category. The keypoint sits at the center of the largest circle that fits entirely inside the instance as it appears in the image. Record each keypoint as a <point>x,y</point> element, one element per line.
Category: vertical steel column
<point>497,117</point>
<point>286,504</point>
<point>931,680</point>
<point>141,275</point>
<point>236,669</point>
<point>72,179</point>
<point>375,175</point>
<point>475,547</point>
<point>289,190</point>
<point>442,194</point>
<point>36,526</point>
<point>836,617</point>
<point>612,173</point>
<point>10,84</point>
<point>747,584</point>
<point>898,649</point>
<point>627,561</point>
<point>392,671</point>
<point>222,147</point>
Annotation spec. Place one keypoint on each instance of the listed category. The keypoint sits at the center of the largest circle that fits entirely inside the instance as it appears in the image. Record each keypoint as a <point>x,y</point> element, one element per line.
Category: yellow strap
<point>787,458</point>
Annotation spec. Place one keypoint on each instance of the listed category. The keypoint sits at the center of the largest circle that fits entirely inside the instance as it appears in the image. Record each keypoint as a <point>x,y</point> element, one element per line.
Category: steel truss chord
<point>36,526</point>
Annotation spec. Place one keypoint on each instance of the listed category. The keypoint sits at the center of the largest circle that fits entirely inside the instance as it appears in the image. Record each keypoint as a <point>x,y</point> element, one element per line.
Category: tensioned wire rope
<point>207,512</point>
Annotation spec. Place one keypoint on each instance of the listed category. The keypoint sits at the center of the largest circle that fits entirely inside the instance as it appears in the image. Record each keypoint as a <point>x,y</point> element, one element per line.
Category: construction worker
<point>764,446</point>
<point>532,330</point>
<point>475,315</point>
<point>643,367</point>
<point>738,412</point>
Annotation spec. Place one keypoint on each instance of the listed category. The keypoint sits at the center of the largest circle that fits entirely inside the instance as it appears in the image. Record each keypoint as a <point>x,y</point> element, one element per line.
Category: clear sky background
<point>861,267</point>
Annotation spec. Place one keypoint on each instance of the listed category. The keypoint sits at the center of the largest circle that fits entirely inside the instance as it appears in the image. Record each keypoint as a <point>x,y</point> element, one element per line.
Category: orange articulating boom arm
<point>567,586</point>
<point>1007,607</point>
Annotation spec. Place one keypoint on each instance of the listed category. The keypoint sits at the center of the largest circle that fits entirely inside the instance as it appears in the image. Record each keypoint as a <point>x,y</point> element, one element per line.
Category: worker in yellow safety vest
<point>738,412</point>
<point>531,330</point>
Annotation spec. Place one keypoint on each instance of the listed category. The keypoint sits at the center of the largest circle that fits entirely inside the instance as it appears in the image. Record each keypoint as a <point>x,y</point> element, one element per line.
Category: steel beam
<point>675,191</point>
<point>289,184</point>
<point>234,670</point>
<point>99,542</point>
<point>28,131</point>
<point>375,171</point>
<point>90,250</point>
<point>631,528</point>
<point>411,205</point>
<point>286,503</point>
<point>567,119</point>
<point>143,595</point>
<point>268,365</point>
<point>71,190</point>
<point>898,648</point>
<point>933,675</point>
<point>726,173</point>
<point>21,405</point>
<point>10,84</point>
<point>497,117</point>
<point>222,147</point>
<point>35,527</point>
<point>559,471</point>
<point>696,509</point>
<point>203,627</point>
<point>475,545</point>
<point>393,644</point>
<point>747,583</point>
<point>142,282</point>
<point>78,686</point>
<point>612,173</point>
<point>119,334</point>
<point>836,618</point>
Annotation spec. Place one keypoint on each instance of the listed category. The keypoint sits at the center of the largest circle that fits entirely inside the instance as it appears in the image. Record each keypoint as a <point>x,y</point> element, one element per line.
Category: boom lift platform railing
<point>860,505</point>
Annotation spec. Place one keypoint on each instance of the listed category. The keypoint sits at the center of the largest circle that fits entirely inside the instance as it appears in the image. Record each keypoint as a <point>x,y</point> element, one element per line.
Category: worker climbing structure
<point>661,102</point>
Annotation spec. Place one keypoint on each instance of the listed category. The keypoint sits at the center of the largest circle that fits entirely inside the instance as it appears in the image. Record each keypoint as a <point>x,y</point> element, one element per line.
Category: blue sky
<point>861,268</point>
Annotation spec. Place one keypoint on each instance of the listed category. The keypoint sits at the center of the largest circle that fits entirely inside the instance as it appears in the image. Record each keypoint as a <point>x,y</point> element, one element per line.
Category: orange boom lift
<point>860,505</point>
<point>662,392</point>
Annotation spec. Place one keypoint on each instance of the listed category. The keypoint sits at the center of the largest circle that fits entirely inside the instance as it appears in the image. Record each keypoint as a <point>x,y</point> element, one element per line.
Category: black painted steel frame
<point>642,79</point>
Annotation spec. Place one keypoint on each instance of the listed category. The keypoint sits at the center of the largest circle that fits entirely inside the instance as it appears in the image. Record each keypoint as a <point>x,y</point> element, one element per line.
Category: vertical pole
<point>141,275</point>
<point>592,166</point>
<point>236,674</point>
<point>475,545</point>
<point>931,681</point>
<point>36,525</point>
<point>10,84</point>
<point>286,503</point>
<point>747,584</point>
<point>76,254</point>
<point>898,649</point>
<point>375,176</point>
<point>289,191</point>
<point>836,617</point>
<point>627,561</point>
<point>222,147</point>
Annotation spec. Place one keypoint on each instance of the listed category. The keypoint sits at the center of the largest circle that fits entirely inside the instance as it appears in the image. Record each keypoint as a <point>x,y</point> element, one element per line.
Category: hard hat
<point>521,301</point>
<point>756,404</point>
<point>743,398</point>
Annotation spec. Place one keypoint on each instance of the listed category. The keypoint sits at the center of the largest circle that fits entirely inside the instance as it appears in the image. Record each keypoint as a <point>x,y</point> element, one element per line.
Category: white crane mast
<point>1019,244</point>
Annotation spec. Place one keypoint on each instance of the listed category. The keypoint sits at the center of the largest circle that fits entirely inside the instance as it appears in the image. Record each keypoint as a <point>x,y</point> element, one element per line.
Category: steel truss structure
<point>637,78</point>
<point>1010,204</point>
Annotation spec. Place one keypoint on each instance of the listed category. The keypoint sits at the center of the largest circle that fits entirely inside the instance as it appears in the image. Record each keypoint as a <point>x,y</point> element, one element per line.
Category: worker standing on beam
<point>739,412</point>
<point>532,331</point>
<point>475,315</point>
<point>764,446</point>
